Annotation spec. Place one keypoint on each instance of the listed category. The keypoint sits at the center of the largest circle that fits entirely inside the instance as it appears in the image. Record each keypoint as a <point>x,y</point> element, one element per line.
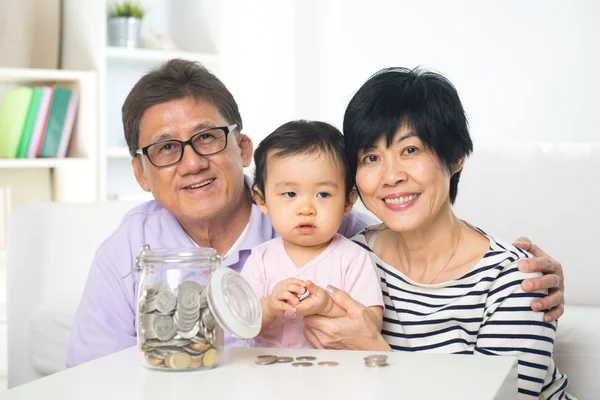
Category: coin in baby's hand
<point>303,296</point>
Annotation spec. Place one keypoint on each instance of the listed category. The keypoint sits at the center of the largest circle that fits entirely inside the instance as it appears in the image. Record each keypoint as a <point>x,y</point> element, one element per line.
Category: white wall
<point>525,70</point>
<point>258,62</point>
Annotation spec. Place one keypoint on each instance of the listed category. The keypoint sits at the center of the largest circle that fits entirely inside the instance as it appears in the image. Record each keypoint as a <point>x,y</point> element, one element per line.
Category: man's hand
<point>553,280</point>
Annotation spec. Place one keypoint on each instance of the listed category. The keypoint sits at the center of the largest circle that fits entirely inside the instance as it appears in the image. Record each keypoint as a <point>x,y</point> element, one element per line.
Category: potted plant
<point>124,22</point>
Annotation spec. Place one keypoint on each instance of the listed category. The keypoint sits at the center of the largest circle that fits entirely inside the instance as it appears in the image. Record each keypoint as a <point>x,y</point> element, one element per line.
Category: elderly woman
<point>448,286</point>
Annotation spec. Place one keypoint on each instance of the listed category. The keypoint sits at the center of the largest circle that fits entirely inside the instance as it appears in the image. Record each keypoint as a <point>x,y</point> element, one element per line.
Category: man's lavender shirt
<point>105,320</point>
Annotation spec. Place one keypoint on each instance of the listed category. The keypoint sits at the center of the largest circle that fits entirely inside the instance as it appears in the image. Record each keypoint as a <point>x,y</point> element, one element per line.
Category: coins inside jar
<point>177,329</point>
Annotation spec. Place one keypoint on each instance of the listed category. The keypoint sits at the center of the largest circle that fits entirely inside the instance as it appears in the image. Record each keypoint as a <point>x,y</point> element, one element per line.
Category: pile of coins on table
<point>377,360</point>
<point>302,361</point>
<point>177,329</point>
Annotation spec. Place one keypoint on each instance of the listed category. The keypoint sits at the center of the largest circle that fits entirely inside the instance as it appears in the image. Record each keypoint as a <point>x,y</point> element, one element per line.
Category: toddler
<point>303,183</point>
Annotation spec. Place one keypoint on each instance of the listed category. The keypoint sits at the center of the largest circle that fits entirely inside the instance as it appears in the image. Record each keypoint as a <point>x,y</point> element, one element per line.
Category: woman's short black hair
<point>301,137</point>
<point>425,101</point>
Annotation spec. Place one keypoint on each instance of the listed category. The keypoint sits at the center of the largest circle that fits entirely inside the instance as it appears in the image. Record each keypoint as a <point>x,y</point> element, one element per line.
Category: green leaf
<point>126,8</point>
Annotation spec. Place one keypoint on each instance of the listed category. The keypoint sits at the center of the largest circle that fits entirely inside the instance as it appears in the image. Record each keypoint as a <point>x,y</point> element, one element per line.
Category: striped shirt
<point>483,312</point>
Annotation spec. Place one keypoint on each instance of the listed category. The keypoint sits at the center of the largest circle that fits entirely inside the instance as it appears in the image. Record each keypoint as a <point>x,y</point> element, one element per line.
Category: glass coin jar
<point>185,303</point>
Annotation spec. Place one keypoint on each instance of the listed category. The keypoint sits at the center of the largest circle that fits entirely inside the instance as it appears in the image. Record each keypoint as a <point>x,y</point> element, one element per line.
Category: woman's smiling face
<point>404,184</point>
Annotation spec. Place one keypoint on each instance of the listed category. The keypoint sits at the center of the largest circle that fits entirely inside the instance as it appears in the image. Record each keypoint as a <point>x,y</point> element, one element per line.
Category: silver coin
<point>303,296</point>
<point>149,305</point>
<point>376,365</point>
<point>182,325</point>
<point>266,356</point>
<point>188,298</point>
<point>208,319</point>
<point>165,301</point>
<point>157,354</point>
<point>168,343</point>
<point>329,363</point>
<point>285,359</point>
<point>163,326</point>
<point>189,313</point>
<point>203,300</point>
<point>191,285</point>
<point>302,364</point>
<point>168,349</point>
<point>146,326</point>
<point>189,334</point>
<point>199,339</point>
<point>193,351</point>
<point>306,358</point>
<point>212,337</point>
<point>376,357</point>
<point>265,360</point>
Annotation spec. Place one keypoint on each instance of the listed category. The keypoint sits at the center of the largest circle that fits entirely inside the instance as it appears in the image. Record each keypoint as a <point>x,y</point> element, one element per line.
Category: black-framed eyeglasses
<point>205,143</point>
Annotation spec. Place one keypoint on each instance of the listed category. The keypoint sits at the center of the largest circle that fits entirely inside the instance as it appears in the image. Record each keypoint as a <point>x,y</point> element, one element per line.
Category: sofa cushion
<point>49,334</point>
<point>577,350</point>
<point>548,192</point>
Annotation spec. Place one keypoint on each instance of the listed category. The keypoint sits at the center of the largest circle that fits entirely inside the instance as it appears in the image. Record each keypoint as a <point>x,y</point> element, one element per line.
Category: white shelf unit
<point>26,163</point>
<point>194,27</point>
<point>156,56</point>
<point>74,178</point>
<point>118,152</point>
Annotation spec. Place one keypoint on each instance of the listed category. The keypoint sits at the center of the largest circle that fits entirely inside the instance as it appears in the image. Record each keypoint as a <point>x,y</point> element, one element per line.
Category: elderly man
<point>202,198</point>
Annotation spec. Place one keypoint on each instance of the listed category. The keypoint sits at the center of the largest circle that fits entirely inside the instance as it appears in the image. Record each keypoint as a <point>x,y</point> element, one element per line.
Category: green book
<point>13,113</point>
<point>56,121</point>
<point>34,105</point>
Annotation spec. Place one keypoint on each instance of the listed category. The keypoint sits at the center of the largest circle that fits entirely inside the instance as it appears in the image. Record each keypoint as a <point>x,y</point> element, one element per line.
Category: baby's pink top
<point>342,264</point>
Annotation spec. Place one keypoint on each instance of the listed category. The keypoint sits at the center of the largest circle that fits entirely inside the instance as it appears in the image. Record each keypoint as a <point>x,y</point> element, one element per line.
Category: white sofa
<point>546,192</point>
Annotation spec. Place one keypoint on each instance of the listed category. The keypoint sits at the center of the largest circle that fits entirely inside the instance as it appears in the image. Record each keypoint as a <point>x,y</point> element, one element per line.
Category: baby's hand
<point>317,302</point>
<point>285,296</point>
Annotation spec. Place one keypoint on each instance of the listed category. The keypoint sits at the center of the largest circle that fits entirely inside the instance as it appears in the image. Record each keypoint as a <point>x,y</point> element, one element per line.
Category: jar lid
<point>234,304</point>
<point>183,255</point>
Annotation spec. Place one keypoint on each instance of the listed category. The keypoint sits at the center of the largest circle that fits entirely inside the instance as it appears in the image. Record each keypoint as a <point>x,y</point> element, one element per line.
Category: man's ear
<point>138,171</point>
<point>458,165</point>
<point>246,147</point>
<point>352,197</point>
<point>259,199</point>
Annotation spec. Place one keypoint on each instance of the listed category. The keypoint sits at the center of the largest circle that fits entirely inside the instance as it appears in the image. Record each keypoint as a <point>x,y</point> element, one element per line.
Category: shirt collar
<point>258,231</point>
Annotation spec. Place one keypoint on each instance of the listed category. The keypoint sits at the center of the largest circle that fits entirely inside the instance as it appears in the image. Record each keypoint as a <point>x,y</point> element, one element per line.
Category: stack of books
<point>37,121</point>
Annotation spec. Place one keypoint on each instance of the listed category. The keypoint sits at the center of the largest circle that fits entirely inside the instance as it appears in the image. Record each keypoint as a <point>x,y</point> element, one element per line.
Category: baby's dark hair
<point>301,137</point>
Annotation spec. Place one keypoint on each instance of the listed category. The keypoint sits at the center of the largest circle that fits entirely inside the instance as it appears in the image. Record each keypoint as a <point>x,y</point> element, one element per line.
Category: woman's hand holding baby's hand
<point>317,302</point>
<point>284,296</point>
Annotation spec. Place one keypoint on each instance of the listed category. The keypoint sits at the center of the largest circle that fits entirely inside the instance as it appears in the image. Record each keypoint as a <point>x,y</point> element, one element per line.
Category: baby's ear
<point>259,199</point>
<point>352,197</point>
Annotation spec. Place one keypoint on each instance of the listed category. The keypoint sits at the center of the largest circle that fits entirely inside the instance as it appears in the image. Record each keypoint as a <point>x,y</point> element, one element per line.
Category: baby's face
<point>305,197</point>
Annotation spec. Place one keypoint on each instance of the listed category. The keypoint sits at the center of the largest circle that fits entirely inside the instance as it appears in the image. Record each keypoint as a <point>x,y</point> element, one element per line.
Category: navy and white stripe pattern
<point>484,312</point>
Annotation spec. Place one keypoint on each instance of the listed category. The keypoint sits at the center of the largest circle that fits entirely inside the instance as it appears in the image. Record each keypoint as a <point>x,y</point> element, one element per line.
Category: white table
<point>409,376</point>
